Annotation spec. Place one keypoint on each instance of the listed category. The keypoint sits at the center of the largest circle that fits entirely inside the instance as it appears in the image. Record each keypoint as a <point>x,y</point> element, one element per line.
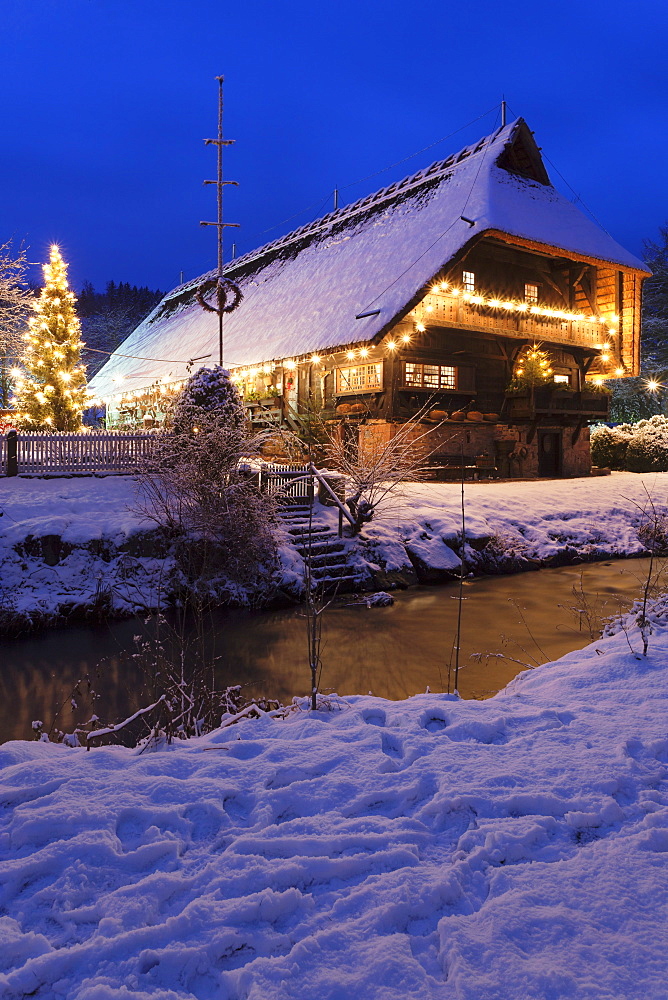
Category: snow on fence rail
<point>39,453</point>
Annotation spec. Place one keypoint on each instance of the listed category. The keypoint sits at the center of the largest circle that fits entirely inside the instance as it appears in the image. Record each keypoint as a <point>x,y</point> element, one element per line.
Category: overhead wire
<point>136,357</point>
<point>444,233</point>
<point>578,197</point>
<point>319,205</point>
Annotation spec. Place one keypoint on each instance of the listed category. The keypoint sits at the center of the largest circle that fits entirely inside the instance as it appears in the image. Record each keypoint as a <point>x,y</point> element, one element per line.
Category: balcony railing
<point>455,311</point>
<point>529,404</point>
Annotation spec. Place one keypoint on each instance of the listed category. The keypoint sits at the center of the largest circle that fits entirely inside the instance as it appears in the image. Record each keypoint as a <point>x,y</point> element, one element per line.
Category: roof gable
<point>348,276</point>
<point>521,156</point>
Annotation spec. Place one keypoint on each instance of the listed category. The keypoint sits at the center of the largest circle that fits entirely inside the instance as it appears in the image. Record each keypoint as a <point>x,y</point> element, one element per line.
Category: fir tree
<point>51,394</point>
<point>209,397</point>
<point>533,368</point>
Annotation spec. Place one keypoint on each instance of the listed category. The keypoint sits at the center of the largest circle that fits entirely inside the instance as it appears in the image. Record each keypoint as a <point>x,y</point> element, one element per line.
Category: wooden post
<point>12,454</point>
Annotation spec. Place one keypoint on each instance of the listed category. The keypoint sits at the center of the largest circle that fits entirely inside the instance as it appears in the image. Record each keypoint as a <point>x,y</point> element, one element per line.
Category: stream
<point>394,652</point>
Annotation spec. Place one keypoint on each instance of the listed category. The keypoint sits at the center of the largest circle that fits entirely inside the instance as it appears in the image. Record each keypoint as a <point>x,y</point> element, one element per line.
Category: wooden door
<point>549,453</point>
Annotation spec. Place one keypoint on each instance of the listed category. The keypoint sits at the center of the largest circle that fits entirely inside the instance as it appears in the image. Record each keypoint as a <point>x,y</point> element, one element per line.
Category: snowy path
<point>501,850</point>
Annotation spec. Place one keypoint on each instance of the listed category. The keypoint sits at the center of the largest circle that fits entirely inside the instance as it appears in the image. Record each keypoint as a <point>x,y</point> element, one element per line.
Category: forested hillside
<point>108,317</point>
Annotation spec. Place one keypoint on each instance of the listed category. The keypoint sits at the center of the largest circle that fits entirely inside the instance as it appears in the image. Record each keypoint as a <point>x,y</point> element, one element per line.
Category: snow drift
<point>430,848</point>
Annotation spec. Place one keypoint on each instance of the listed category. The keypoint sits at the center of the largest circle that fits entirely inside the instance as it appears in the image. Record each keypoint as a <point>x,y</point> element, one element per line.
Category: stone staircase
<point>326,553</point>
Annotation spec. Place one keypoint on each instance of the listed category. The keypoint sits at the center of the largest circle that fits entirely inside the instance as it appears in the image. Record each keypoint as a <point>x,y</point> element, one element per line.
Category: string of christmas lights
<point>246,375</point>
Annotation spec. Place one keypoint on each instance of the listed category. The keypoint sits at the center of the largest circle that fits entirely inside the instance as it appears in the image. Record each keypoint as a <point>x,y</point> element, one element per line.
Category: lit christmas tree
<point>533,368</point>
<point>50,393</point>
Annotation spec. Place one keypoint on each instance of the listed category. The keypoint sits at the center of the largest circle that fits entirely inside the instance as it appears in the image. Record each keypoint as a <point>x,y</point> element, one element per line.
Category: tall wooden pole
<point>219,142</point>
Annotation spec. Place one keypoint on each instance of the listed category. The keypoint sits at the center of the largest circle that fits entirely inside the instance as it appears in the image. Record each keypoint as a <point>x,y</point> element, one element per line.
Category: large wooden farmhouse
<point>424,293</point>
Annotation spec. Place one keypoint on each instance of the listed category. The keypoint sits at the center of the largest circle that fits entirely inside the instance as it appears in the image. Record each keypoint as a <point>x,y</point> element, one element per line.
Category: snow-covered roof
<point>350,275</point>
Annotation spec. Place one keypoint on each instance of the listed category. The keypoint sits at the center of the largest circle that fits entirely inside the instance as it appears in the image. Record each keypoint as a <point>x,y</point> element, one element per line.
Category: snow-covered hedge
<point>640,447</point>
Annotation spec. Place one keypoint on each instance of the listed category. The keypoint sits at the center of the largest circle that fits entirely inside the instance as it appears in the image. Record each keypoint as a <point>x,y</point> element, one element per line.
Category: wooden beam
<point>588,283</point>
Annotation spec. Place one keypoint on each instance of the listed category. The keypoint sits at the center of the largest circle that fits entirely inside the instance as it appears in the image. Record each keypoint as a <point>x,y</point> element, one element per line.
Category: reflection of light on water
<point>395,652</point>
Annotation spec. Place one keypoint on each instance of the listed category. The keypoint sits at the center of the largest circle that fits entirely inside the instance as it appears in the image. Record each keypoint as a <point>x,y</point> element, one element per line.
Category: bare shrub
<point>198,487</point>
<point>377,474</point>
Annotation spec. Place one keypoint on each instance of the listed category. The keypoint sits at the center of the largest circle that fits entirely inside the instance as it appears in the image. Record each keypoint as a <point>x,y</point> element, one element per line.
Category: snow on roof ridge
<point>435,169</point>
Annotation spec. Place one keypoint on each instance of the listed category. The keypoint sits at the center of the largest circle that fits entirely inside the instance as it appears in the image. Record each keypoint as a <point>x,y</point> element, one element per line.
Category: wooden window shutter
<point>465,379</point>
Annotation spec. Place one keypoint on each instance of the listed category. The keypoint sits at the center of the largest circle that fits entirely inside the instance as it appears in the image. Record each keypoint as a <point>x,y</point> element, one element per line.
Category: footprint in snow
<point>433,722</point>
<point>392,746</point>
<point>374,717</point>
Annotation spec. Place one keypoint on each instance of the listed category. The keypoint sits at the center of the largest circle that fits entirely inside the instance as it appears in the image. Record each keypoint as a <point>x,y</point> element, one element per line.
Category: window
<point>430,376</point>
<point>468,281</point>
<point>360,378</point>
<point>531,294</point>
<point>562,378</point>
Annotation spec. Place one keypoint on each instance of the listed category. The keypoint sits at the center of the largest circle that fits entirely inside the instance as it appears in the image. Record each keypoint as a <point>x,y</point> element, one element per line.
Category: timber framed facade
<point>419,299</point>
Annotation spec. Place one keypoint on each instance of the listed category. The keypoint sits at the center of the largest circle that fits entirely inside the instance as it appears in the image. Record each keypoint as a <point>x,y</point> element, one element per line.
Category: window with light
<point>360,378</point>
<point>468,281</point>
<point>430,376</point>
<point>531,294</point>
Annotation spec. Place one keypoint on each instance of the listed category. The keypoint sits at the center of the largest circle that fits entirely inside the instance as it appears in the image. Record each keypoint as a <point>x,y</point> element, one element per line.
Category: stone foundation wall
<point>506,444</point>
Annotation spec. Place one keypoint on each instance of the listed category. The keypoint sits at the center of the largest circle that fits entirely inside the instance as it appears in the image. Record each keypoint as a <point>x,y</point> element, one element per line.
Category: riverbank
<point>71,549</point>
<point>430,847</point>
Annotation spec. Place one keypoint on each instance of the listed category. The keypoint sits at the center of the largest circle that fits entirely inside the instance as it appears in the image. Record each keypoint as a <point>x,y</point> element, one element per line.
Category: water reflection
<point>394,652</point>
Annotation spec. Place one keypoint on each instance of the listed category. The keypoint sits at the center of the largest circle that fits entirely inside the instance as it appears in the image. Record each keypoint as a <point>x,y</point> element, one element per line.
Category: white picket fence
<point>60,452</point>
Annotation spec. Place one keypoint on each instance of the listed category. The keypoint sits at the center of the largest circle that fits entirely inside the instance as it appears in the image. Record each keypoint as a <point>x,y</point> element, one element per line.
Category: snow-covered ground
<point>528,522</point>
<point>511,849</point>
<point>67,544</point>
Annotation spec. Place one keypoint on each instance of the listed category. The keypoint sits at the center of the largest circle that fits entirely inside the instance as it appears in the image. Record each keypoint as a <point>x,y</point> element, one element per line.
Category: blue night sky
<point>106,104</point>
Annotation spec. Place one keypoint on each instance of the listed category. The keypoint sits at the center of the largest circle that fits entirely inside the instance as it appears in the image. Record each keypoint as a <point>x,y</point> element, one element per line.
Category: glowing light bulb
<point>406,338</point>
<point>619,371</point>
<point>652,385</point>
<point>350,355</point>
<point>429,309</point>
<point>420,327</point>
<point>315,359</point>
<point>364,352</point>
<point>391,345</point>
<point>290,365</point>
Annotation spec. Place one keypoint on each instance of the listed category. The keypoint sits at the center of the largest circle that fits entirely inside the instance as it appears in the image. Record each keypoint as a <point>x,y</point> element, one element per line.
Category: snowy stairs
<point>321,549</point>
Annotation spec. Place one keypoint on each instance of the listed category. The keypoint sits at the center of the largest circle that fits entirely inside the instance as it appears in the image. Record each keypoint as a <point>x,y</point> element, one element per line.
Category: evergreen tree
<point>210,398</point>
<point>108,317</point>
<point>632,398</point>
<point>654,336</point>
<point>51,394</point>
<point>533,368</point>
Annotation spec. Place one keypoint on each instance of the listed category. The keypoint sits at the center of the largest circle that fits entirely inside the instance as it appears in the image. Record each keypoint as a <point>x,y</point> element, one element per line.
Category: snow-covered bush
<point>640,447</point>
<point>647,450</point>
<point>608,446</point>
<point>196,486</point>
<point>209,394</point>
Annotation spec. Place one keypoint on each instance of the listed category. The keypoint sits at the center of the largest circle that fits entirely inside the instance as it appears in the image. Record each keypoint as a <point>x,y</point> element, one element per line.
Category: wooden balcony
<point>441,309</point>
<point>550,402</point>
